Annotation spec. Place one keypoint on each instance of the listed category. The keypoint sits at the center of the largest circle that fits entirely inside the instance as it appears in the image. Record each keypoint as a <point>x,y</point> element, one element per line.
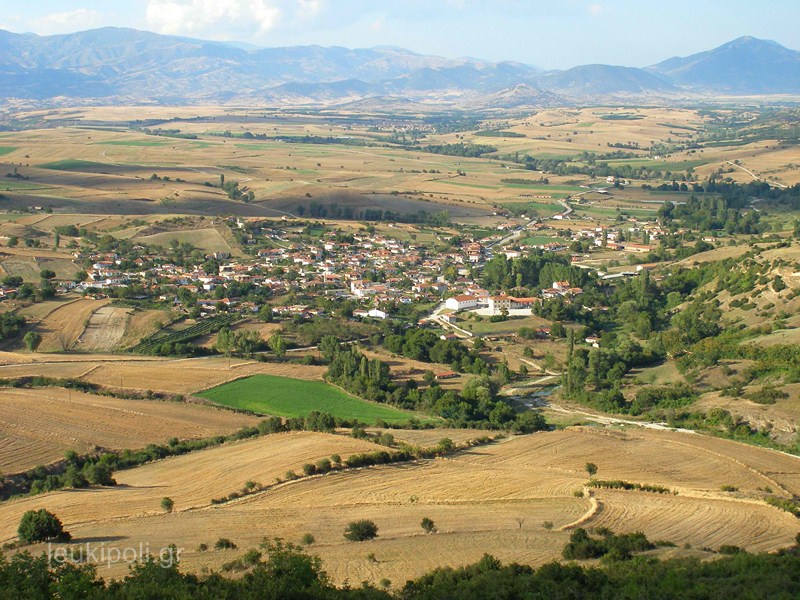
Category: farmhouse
<point>446,375</point>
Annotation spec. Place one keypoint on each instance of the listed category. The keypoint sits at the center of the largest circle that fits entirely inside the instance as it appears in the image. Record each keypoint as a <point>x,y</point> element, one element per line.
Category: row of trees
<point>281,570</point>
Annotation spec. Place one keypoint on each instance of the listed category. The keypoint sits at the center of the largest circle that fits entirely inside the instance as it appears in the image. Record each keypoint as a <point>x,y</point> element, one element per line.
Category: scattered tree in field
<point>520,521</point>
<point>32,340</point>
<point>265,314</point>
<point>278,345</point>
<point>361,531</point>
<point>41,525</point>
<point>64,341</point>
<point>224,544</point>
<point>548,525</point>
<point>428,525</point>
<point>591,469</point>
<point>167,504</point>
<point>308,539</point>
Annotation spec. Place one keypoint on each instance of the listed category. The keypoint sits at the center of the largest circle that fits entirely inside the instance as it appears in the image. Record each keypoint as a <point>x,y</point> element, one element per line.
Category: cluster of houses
<point>497,304</point>
<point>376,270</point>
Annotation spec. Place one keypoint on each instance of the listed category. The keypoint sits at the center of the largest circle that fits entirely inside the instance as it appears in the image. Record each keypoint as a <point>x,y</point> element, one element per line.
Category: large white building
<point>504,302</point>
<point>461,302</point>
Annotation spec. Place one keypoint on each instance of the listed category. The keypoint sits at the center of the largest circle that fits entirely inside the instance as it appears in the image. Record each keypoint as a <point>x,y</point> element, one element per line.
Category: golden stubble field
<point>493,499</point>
<point>37,426</point>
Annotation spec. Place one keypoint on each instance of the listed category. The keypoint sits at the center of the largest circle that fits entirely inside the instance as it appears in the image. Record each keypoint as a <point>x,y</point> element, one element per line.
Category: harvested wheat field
<point>37,426</point>
<point>143,323</point>
<point>185,376</point>
<point>191,480</point>
<point>46,369</point>
<point>494,498</point>
<point>104,330</point>
<point>61,328</point>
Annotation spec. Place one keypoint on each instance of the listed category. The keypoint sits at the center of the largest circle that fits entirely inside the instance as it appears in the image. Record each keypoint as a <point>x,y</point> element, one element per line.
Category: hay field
<point>61,328</point>
<point>37,426</point>
<point>39,310</point>
<point>142,324</point>
<point>191,480</point>
<point>208,239</point>
<point>487,499</point>
<point>188,375</point>
<point>104,330</point>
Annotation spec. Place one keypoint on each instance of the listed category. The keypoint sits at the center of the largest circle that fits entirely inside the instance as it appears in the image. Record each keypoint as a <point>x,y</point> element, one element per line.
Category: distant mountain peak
<point>112,64</point>
<point>746,65</point>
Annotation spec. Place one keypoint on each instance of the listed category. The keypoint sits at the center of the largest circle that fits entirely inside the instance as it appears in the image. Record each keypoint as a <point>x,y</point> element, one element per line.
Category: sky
<point>552,34</point>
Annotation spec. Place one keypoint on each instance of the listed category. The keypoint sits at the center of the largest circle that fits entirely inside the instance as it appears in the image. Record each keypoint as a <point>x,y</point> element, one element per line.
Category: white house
<point>461,302</point>
<point>373,313</point>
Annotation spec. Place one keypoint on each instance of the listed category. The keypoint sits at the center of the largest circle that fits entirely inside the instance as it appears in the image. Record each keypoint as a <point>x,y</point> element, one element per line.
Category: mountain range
<point>112,65</point>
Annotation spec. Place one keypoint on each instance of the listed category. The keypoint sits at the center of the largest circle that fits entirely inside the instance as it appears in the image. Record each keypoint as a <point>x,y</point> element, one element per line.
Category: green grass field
<point>658,165</point>
<point>143,143</point>
<point>6,150</point>
<point>286,397</point>
<point>71,164</point>
<point>539,208</point>
<point>541,239</point>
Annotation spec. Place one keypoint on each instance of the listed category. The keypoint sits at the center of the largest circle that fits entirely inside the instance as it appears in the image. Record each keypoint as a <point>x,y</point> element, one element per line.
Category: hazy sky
<point>546,33</point>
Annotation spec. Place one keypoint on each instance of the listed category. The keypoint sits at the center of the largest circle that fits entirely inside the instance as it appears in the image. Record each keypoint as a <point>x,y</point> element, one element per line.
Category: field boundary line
<point>88,372</point>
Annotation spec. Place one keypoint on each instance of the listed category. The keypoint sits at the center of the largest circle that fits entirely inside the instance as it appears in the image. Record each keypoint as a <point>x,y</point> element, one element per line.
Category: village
<point>290,270</point>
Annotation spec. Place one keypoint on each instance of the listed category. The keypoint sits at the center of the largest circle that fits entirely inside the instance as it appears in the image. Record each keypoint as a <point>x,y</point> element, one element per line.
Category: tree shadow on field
<point>99,539</point>
<point>470,452</point>
<point>127,486</point>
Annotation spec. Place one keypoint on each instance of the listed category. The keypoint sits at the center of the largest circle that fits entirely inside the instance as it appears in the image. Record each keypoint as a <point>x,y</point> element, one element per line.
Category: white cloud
<point>595,9</point>
<point>74,20</point>
<point>212,18</point>
<point>308,8</point>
